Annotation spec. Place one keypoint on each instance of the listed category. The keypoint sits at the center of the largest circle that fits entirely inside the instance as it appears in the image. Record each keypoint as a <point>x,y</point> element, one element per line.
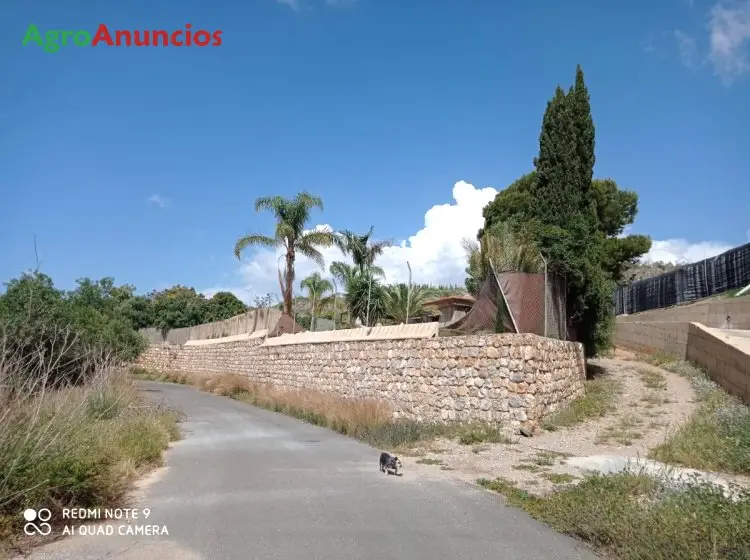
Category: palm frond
<point>274,203</point>
<point>377,271</point>
<point>404,302</point>
<point>312,253</point>
<point>309,201</point>
<point>316,284</point>
<point>254,240</point>
<point>341,271</point>
<point>317,238</point>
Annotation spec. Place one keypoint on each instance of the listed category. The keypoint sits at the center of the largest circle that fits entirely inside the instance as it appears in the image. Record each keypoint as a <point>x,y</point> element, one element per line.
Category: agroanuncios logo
<point>51,41</point>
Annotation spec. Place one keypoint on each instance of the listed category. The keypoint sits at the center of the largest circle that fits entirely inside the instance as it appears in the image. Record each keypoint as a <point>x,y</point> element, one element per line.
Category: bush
<point>76,447</point>
<point>62,336</point>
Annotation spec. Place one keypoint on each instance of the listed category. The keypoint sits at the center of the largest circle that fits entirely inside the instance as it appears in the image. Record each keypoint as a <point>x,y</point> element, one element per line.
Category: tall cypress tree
<point>564,217</point>
<point>556,202</point>
<point>579,104</point>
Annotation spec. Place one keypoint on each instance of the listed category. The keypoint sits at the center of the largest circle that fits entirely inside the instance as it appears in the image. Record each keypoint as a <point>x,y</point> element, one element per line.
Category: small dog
<point>389,464</point>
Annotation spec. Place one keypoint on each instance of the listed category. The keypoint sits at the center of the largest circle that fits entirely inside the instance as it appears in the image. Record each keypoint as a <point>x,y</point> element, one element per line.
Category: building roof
<point>450,300</point>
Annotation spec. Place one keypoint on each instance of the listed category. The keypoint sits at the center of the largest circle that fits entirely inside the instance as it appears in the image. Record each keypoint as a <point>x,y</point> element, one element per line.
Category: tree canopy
<point>576,221</point>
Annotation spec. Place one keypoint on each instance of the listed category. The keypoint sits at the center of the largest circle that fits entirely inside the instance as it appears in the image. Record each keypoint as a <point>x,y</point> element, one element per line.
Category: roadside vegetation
<point>635,517</point>
<point>717,436</point>
<point>74,432</point>
<point>367,420</point>
<point>599,400</point>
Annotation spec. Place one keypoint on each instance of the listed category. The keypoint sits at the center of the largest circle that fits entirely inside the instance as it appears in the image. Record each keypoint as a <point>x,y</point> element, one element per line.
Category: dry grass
<point>428,461</point>
<point>368,420</point>
<point>653,379</point>
<point>76,447</point>
<point>624,432</point>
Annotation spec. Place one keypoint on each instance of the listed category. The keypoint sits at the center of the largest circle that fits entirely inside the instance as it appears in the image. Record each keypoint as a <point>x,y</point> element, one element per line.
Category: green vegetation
<point>428,461</point>
<point>78,327</point>
<point>600,399</point>
<point>558,478</point>
<point>365,296</point>
<point>73,430</point>
<point>717,435</point>
<point>502,247</point>
<point>405,302</point>
<point>575,221</point>
<point>634,517</point>
<point>317,287</point>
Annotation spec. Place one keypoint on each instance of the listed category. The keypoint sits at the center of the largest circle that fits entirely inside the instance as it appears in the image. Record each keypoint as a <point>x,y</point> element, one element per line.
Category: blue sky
<point>143,163</point>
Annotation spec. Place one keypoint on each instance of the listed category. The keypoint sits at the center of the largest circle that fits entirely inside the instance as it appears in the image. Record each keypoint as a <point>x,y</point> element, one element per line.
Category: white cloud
<point>681,251</point>
<point>293,4</point>
<point>434,251</point>
<point>159,200</point>
<point>688,49</point>
<point>729,28</point>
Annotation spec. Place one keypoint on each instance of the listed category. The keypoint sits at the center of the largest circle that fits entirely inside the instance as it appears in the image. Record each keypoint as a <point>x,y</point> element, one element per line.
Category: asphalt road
<point>246,483</point>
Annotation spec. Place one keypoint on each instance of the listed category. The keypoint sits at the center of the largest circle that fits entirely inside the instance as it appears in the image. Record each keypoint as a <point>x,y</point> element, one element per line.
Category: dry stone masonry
<point>508,379</point>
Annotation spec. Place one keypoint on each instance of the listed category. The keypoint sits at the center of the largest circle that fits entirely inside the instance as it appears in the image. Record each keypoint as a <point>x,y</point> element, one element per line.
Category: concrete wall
<point>653,338</point>
<point>726,363</point>
<point>711,313</point>
<point>513,379</point>
<point>722,356</point>
<point>251,321</point>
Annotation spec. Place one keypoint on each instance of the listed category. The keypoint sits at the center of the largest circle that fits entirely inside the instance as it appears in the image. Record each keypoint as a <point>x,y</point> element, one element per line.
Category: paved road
<point>246,483</point>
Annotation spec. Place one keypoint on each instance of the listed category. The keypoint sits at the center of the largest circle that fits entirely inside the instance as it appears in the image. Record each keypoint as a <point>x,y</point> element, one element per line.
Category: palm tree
<point>316,286</point>
<point>404,302</point>
<point>362,249</point>
<point>507,251</point>
<point>292,214</point>
<point>342,272</point>
<point>366,298</point>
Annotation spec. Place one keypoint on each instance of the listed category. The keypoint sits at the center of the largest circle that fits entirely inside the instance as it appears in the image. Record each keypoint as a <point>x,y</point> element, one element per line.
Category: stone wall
<point>512,379</point>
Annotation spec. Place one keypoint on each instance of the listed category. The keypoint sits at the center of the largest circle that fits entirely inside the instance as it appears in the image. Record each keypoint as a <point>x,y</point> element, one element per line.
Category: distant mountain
<point>641,271</point>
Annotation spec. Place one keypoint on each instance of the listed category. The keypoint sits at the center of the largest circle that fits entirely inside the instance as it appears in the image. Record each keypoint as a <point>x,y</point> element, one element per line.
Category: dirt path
<point>651,402</point>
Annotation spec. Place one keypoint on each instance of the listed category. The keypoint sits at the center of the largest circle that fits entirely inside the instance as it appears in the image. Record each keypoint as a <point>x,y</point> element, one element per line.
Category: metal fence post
<point>545,293</point>
<point>408,294</point>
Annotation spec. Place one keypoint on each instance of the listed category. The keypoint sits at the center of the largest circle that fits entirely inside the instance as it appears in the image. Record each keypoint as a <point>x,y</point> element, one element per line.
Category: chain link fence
<point>532,302</point>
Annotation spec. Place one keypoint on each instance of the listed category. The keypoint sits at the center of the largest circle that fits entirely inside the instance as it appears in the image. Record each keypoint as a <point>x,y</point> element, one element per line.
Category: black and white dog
<point>389,464</point>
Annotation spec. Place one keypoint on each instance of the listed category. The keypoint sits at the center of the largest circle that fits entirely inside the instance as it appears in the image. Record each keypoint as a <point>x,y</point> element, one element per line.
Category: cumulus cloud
<point>159,200</point>
<point>729,28</point>
<point>681,251</point>
<point>434,252</point>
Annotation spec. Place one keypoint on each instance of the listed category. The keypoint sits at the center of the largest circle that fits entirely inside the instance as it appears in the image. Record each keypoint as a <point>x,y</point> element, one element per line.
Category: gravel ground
<point>648,408</point>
